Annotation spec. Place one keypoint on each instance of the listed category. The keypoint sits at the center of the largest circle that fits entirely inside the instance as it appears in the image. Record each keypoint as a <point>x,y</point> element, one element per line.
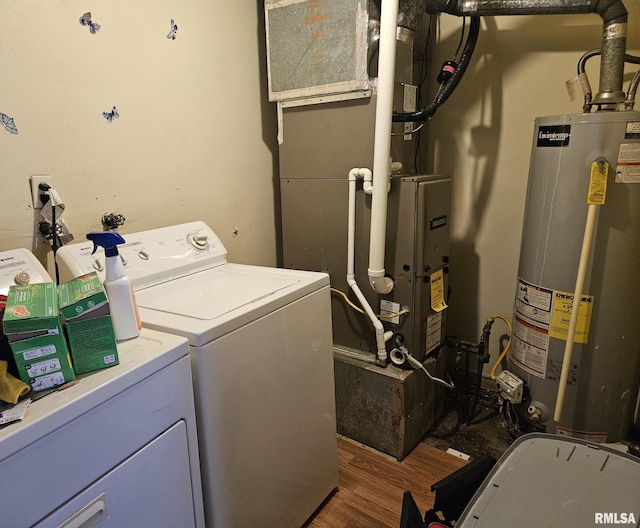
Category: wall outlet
<point>35,189</point>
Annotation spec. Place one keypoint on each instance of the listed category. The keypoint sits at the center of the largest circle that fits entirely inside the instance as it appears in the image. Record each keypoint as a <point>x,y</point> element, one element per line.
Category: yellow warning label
<point>437,291</point>
<point>598,183</point>
<point>561,314</point>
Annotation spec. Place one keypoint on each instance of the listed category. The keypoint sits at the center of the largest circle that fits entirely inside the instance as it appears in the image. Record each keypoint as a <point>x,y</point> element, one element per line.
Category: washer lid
<point>211,303</point>
<point>212,294</point>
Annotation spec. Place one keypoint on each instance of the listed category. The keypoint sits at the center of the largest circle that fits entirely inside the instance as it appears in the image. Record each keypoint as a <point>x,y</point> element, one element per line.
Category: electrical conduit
<point>382,147</point>
<point>381,336</point>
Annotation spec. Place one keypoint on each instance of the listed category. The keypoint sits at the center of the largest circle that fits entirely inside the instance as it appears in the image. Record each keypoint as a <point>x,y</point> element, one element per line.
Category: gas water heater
<point>604,373</point>
<point>329,64</point>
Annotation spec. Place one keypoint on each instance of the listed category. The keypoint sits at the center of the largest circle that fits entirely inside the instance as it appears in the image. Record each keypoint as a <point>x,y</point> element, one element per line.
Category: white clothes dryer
<point>261,355</point>
<point>118,449</point>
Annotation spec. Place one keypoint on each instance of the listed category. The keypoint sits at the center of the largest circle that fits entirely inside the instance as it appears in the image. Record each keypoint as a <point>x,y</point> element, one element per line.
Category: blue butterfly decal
<point>85,20</point>
<point>172,34</point>
<point>8,123</point>
<point>110,116</point>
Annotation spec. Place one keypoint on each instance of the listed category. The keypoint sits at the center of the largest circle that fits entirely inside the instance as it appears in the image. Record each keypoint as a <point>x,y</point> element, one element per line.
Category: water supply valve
<point>112,221</point>
<point>538,412</point>
<point>510,386</point>
<point>534,413</point>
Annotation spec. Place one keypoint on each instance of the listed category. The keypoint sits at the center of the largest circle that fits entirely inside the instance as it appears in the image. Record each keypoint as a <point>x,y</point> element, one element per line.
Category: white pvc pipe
<point>381,337</point>
<point>382,146</point>
<point>592,214</point>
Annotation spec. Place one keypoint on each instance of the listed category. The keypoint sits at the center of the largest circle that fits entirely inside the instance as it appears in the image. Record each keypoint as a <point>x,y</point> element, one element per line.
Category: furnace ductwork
<point>612,12</point>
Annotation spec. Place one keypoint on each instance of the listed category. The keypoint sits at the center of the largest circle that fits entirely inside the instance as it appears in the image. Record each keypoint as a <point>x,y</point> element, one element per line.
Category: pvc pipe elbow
<point>381,284</point>
<point>360,172</point>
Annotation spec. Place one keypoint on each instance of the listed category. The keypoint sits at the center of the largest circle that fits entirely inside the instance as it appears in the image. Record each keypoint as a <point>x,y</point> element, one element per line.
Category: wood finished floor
<point>371,485</point>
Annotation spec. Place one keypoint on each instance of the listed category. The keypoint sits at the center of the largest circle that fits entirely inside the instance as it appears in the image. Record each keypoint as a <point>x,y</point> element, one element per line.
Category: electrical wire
<point>358,309</point>
<point>511,417</point>
<point>507,346</point>
<point>424,70</point>
<point>464,24</point>
<point>408,132</point>
<point>448,88</point>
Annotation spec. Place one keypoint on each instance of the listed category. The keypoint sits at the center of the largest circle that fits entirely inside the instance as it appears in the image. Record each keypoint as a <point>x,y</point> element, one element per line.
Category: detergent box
<point>33,328</point>
<point>85,311</point>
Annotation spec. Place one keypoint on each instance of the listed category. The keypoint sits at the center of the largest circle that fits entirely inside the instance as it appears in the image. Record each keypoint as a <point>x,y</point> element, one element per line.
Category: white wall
<point>483,137</point>
<point>195,137</point>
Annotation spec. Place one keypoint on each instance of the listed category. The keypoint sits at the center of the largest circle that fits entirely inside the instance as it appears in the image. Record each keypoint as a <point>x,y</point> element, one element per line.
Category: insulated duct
<point>410,12</point>
<point>612,12</point>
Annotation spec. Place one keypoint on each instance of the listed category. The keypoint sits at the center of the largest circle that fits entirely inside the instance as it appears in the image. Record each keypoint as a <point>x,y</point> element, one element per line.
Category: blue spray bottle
<point>122,302</point>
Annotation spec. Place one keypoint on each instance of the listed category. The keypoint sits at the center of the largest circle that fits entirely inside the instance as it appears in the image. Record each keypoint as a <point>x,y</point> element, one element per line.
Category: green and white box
<point>32,324</point>
<point>85,310</point>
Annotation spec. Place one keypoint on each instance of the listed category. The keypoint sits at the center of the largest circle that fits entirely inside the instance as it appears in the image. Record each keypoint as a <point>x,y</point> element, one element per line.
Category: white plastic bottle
<point>122,301</point>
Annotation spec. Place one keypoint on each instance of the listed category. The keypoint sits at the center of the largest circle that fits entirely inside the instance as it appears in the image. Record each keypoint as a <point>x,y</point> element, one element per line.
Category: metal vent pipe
<point>612,12</point>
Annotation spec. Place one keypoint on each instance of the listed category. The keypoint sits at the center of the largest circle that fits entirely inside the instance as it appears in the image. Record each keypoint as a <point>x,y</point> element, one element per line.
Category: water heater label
<point>628,166</point>
<point>530,347</point>
<point>632,130</point>
<point>554,136</point>
<point>541,314</point>
<point>555,371</point>
<point>562,307</point>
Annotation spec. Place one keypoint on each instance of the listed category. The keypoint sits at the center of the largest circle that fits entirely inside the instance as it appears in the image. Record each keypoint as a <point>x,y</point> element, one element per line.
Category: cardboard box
<point>32,325</point>
<point>85,310</point>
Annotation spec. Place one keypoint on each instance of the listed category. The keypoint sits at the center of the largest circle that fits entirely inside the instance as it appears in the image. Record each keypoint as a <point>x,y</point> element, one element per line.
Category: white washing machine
<point>117,449</point>
<point>261,356</point>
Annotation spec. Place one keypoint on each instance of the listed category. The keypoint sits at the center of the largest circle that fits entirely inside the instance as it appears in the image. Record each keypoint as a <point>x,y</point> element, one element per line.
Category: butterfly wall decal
<point>110,116</point>
<point>172,34</point>
<point>8,123</point>
<point>85,20</point>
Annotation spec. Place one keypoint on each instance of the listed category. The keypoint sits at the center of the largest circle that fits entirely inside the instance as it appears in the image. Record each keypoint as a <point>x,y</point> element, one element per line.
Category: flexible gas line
<point>490,320</point>
<point>358,309</point>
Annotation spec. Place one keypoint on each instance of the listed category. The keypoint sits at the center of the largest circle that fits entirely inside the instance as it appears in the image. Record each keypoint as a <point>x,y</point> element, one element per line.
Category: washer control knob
<point>143,254</point>
<point>97,265</point>
<point>22,278</point>
<point>199,241</point>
